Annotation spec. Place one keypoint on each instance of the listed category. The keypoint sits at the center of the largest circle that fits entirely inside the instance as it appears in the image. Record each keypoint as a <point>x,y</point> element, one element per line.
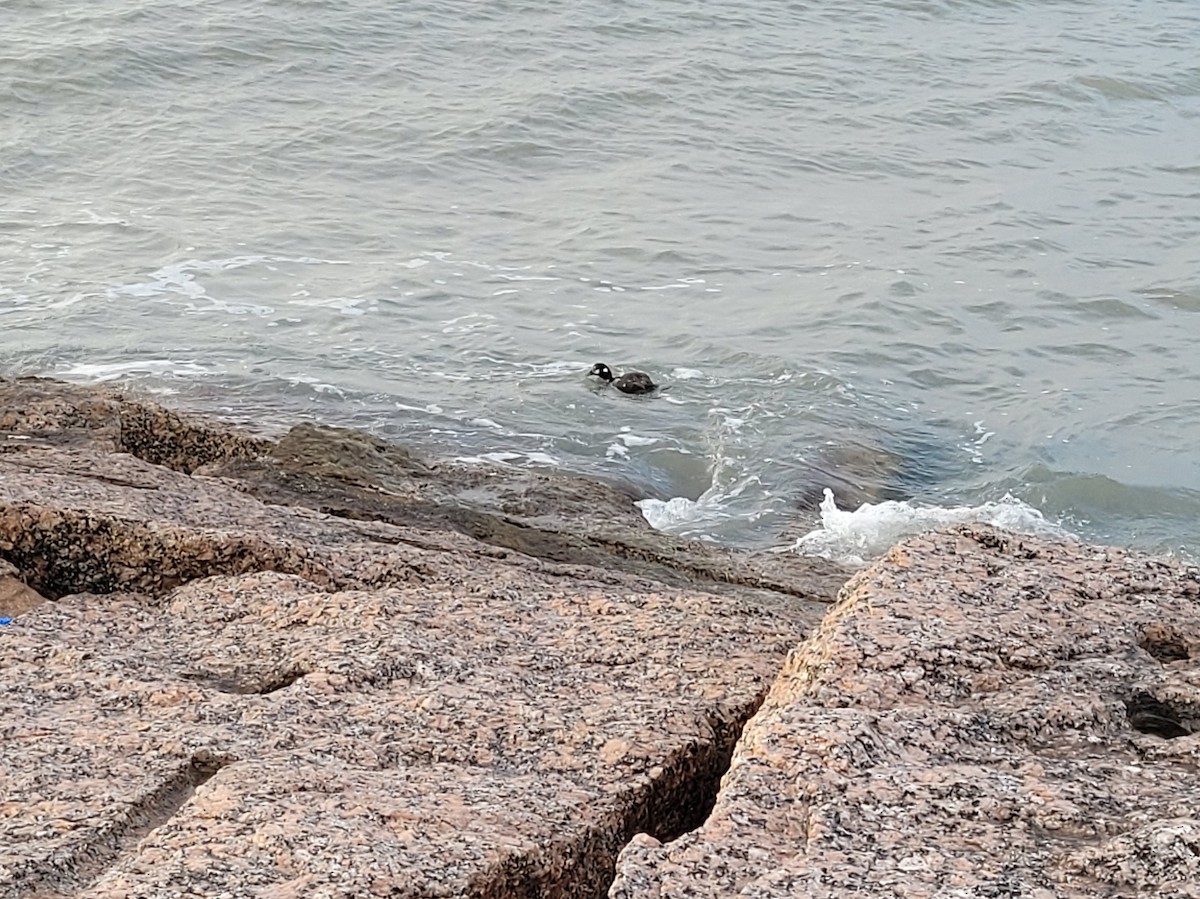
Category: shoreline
<point>319,665</point>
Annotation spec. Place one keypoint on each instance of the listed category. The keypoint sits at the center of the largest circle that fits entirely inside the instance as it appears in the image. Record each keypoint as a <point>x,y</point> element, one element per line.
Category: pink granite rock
<point>233,692</point>
<point>15,595</point>
<point>981,715</point>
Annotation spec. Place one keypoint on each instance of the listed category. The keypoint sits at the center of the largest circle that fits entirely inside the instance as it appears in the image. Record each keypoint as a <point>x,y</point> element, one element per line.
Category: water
<point>944,253</point>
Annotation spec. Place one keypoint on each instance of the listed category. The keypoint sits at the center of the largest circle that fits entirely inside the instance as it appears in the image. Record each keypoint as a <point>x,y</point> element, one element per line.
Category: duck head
<point>602,371</point>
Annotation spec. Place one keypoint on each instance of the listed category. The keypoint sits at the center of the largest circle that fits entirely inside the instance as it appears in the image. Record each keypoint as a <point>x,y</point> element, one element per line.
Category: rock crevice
<point>982,714</point>
<point>319,666</point>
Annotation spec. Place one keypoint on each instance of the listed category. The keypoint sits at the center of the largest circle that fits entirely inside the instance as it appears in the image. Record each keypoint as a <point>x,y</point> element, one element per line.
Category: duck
<point>630,382</point>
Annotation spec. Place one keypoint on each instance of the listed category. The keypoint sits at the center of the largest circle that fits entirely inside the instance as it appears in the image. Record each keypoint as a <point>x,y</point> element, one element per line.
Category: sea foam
<point>857,537</point>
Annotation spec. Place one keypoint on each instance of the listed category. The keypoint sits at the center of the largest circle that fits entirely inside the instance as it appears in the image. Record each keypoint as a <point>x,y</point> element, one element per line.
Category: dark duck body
<point>630,382</point>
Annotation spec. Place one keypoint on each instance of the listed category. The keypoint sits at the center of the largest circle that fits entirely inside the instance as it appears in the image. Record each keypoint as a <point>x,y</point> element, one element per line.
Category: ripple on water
<point>844,224</point>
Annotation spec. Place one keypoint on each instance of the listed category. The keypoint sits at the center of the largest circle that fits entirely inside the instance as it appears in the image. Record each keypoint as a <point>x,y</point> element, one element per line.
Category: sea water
<point>941,258</point>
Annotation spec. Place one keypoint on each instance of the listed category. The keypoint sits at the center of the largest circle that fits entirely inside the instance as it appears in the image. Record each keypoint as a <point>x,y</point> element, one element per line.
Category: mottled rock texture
<point>15,595</point>
<point>981,715</point>
<point>317,666</point>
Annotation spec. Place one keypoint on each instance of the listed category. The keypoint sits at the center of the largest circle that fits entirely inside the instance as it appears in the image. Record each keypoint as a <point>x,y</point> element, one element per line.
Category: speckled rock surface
<point>230,691</point>
<point>981,715</point>
<point>15,595</point>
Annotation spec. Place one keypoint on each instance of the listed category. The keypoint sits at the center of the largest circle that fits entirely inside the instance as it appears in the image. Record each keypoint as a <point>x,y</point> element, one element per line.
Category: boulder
<point>981,715</point>
<point>319,666</point>
<point>15,595</point>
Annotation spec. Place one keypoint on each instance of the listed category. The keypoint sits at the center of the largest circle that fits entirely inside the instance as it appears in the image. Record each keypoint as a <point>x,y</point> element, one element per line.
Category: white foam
<point>855,538</point>
<point>665,515</point>
<point>636,440</point>
<point>500,457</point>
<point>974,447</point>
<point>506,458</point>
<point>315,385</point>
<point>680,515</point>
<point>179,280</point>
<point>430,409</point>
<point>110,371</point>
<point>341,305</point>
<point>508,277</point>
<point>465,324</point>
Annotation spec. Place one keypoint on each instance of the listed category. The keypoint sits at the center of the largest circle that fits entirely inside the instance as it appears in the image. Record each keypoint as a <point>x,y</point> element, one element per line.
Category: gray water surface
<point>947,250</point>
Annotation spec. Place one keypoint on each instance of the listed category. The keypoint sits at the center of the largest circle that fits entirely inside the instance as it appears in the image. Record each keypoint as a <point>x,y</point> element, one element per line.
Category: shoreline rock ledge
<point>981,715</point>
<point>315,665</point>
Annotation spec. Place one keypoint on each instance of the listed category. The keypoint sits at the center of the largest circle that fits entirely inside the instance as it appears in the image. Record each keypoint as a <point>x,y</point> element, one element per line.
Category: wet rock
<point>15,595</point>
<point>320,666</point>
<point>47,411</point>
<point>981,715</point>
<point>553,516</point>
<point>856,473</point>
<point>556,517</point>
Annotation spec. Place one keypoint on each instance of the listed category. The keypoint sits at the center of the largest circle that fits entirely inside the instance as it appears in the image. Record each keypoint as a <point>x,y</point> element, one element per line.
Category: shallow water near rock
<point>938,254</point>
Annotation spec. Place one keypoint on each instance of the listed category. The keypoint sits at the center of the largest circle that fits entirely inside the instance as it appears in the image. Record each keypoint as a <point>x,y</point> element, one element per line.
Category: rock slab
<point>981,715</point>
<point>315,666</point>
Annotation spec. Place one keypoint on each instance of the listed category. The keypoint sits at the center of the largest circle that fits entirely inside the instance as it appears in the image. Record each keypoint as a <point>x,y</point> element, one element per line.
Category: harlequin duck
<point>630,382</point>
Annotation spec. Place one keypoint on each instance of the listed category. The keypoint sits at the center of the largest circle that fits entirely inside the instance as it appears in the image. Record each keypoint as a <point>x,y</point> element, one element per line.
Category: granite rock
<point>318,666</point>
<point>981,715</point>
<point>100,435</point>
<point>15,595</point>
